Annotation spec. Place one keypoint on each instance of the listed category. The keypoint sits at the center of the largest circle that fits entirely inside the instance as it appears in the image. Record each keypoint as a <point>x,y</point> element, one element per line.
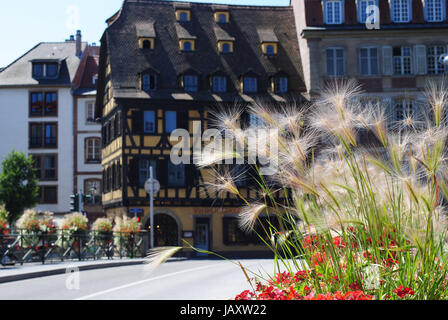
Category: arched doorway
<point>166,230</point>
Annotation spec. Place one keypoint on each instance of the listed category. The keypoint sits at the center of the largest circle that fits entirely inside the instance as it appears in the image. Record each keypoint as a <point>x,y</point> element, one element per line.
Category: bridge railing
<point>22,246</point>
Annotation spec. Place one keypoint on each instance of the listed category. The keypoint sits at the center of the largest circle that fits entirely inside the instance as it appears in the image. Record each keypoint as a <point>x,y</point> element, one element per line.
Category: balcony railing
<point>23,246</point>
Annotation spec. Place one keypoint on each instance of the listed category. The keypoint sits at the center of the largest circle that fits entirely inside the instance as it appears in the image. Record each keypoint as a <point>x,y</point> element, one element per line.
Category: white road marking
<point>144,281</point>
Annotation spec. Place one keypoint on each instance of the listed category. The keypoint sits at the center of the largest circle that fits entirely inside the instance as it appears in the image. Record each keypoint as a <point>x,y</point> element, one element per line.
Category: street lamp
<point>152,186</point>
<point>444,59</point>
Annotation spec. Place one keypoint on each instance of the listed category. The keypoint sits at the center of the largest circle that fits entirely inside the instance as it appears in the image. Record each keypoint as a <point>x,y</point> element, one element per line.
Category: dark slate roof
<point>267,35</point>
<point>247,23</point>
<point>222,35</point>
<point>146,30</point>
<point>19,73</point>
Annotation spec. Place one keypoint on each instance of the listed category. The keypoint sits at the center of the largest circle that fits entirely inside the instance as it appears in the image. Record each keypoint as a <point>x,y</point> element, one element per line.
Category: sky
<point>24,24</point>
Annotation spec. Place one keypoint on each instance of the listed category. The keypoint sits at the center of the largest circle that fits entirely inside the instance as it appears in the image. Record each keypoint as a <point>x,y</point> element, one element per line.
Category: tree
<point>18,184</point>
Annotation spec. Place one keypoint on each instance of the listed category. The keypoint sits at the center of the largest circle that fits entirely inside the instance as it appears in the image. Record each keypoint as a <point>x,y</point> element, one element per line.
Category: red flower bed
<point>322,282</point>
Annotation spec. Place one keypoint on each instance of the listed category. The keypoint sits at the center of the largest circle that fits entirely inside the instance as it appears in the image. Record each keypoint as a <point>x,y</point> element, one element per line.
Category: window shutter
<point>137,122</point>
<point>162,171</point>
<point>420,62</point>
<point>388,66</point>
<point>421,110</point>
<point>133,172</point>
<point>389,111</point>
<point>183,121</point>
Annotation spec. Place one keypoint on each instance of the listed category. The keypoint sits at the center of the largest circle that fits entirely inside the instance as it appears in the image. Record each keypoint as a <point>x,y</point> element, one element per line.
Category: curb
<point>63,270</point>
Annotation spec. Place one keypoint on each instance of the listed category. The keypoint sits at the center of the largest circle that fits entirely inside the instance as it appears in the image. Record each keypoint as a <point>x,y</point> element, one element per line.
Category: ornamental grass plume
<point>366,218</point>
<point>249,216</point>
<point>158,256</point>
<point>437,96</point>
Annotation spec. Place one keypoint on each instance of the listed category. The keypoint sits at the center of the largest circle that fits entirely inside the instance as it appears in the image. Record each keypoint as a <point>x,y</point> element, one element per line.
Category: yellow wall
<point>187,215</point>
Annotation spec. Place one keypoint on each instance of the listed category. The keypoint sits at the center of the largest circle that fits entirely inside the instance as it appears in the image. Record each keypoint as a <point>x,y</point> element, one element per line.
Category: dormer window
<point>225,46</point>
<point>401,10</point>
<point>52,70</point>
<point>219,83</point>
<point>269,49</point>
<point>333,11</point>
<point>43,70</point>
<point>38,70</point>
<point>222,17</point>
<point>187,45</point>
<point>146,43</point>
<point>149,82</point>
<point>190,83</point>
<point>280,84</point>
<point>183,15</point>
<point>435,10</point>
<point>250,84</point>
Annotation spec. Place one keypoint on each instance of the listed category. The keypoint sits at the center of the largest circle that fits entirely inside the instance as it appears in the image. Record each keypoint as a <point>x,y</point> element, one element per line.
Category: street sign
<point>135,210</point>
<point>155,186</point>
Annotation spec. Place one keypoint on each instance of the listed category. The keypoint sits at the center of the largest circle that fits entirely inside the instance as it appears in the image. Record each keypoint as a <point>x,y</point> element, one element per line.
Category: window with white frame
<point>90,112</point>
<point>402,57</point>
<point>404,109</point>
<point>435,66</point>
<point>93,150</point>
<point>333,11</point>
<point>335,61</point>
<point>362,10</point>
<point>435,10</point>
<point>93,188</point>
<point>368,61</point>
<point>401,10</point>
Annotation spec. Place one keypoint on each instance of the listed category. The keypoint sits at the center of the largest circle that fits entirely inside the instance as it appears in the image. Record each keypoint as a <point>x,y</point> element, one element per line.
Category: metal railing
<point>22,246</point>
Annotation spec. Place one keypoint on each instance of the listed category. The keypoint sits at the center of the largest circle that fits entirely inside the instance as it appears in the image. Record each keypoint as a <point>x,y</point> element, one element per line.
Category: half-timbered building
<point>163,66</point>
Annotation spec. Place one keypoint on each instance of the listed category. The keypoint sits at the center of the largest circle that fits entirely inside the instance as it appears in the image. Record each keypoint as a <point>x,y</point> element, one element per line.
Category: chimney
<point>78,43</point>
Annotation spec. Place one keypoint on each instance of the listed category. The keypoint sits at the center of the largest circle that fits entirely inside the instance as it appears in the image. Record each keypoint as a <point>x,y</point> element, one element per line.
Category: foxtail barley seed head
<point>249,216</point>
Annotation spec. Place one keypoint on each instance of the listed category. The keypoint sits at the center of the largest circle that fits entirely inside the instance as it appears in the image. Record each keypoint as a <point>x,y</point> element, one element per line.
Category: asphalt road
<point>176,280</point>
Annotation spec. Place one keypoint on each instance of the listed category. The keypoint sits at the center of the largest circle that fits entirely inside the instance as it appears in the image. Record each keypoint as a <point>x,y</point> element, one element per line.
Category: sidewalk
<point>37,270</point>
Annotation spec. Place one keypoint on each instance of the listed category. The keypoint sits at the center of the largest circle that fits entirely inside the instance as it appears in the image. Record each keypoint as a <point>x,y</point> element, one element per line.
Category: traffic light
<point>139,217</point>
<point>74,203</point>
<point>87,198</point>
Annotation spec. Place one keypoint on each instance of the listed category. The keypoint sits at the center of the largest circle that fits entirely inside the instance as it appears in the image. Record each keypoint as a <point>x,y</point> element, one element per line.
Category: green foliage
<point>4,214</point>
<point>18,184</point>
<point>369,220</point>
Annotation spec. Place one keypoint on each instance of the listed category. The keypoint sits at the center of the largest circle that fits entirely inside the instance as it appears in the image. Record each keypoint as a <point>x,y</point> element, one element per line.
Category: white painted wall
<point>13,121</point>
<point>14,127</point>
<point>85,130</point>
